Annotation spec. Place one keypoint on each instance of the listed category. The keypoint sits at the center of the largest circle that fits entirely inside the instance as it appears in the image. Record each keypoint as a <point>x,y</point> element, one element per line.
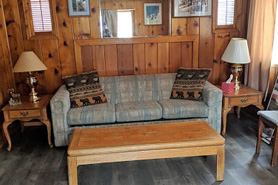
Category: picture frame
<point>192,8</point>
<point>79,7</point>
<point>153,13</point>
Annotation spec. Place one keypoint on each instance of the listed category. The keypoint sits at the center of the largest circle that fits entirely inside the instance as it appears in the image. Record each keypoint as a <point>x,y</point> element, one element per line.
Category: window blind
<point>41,15</point>
<point>225,12</point>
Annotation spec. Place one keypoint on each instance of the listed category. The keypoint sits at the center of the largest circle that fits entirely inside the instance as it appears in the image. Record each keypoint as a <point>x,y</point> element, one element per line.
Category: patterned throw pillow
<point>85,89</point>
<point>189,84</point>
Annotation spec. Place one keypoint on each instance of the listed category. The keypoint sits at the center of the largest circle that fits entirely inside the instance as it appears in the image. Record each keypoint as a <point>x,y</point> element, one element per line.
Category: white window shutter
<point>225,12</point>
<point>41,15</point>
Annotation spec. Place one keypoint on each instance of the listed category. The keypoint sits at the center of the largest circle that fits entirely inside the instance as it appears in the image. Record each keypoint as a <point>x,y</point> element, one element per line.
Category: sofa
<point>132,100</point>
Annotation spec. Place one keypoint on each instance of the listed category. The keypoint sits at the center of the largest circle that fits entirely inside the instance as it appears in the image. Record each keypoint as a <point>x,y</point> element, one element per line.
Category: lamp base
<point>32,82</point>
<point>34,96</point>
<point>237,70</point>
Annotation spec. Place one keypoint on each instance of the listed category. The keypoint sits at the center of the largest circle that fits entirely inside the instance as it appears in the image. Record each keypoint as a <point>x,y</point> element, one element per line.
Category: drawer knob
<point>24,113</point>
<point>244,100</point>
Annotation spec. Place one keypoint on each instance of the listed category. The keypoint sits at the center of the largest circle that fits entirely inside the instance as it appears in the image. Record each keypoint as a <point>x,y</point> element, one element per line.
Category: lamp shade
<point>29,62</point>
<point>237,52</point>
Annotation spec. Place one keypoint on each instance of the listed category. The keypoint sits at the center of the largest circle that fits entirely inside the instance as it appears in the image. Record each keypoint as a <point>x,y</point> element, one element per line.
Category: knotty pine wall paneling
<point>56,53</point>
<point>59,54</point>
<point>186,55</point>
<point>112,59</point>
<point>141,55</point>
<point>65,41</point>
<point>163,57</point>
<point>99,60</point>
<point>14,32</point>
<point>175,56</point>
<point>125,59</point>
<point>212,45</point>
<point>151,58</point>
<point>139,59</point>
<point>207,41</point>
<point>6,75</point>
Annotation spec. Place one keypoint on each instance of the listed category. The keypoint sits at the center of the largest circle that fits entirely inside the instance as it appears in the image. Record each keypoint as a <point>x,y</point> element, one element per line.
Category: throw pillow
<point>85,89</point>
<point>189,84</point>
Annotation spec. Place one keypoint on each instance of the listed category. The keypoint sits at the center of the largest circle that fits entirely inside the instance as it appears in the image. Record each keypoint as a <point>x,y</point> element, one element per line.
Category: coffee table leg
<point>72,171</point>
<point>220,163</point>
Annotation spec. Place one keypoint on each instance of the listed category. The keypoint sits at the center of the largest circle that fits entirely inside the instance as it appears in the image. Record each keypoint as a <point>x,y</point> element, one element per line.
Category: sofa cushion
<point>189,84</point>
<point>138,111</point>
<point>135,88</point>
<point>94,114</point>
<point>85,89</point>
<point>175,109</point>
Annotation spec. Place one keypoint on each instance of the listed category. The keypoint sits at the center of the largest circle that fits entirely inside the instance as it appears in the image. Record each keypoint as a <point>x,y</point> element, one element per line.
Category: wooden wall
<point>113,57</point>
<point>140,29</point>
<point>213,44</point>
<point>58,53</point>
<point>6,76</point>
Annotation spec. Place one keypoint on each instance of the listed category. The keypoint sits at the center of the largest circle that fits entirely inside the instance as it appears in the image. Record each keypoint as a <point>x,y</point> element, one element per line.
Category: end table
<point>25,112</point>
<point>244,97</point>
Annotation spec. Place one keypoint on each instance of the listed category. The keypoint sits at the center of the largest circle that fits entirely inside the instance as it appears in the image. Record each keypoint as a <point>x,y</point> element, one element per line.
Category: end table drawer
<point>244,100</point>
<point>25,114</point>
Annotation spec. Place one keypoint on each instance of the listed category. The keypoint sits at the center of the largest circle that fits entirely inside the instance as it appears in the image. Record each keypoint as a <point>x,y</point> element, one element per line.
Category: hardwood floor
<point>32,162</point>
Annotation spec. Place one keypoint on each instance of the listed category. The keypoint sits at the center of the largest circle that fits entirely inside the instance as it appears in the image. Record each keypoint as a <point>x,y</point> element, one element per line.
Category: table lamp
<point>237,53</point>
<point>29,62</point>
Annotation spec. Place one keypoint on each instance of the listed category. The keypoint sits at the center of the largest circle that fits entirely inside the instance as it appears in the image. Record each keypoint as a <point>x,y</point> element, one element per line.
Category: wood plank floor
<point>32,162</point>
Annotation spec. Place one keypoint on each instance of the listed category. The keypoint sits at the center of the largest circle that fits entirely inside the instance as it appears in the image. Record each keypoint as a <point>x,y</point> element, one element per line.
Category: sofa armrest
<point>60,105</point>
<point>213,96</point>
<point>211,93</point>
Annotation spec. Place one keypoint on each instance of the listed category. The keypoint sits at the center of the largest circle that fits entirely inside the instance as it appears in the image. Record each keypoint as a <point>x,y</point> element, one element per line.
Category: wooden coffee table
<point>144,142</point>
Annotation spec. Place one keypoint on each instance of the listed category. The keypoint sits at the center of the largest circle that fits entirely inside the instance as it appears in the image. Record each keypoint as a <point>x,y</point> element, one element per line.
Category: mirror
<point>135,18</point>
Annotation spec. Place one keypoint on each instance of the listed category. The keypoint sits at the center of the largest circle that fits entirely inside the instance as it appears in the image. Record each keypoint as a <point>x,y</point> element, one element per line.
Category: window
<point>38,16</point>
<point>225,12</point>
<point>41,16</point>
<point>124,23</point>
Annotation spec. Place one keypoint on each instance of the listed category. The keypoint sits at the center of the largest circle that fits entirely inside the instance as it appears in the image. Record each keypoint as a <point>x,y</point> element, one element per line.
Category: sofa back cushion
<point>121,89</point>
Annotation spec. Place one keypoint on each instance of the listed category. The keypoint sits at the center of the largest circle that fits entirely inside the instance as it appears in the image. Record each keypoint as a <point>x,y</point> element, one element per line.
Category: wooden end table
<point>244,97</point>
<point>144,142</point>
<point>26,112</point>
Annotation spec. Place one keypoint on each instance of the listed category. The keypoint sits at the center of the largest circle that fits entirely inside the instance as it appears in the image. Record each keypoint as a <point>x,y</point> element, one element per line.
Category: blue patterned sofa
<point>137,99</point>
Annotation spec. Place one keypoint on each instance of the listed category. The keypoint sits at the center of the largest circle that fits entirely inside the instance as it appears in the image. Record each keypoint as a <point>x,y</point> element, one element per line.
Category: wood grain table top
<point>26,104</point>
<point>243,91</point>
<point>90,141</point>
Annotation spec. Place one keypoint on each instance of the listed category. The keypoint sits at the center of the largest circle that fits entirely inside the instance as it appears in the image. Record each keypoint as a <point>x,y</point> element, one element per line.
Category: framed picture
<point>192,8</point>
<point>153,13</point>
<point>79,8</point>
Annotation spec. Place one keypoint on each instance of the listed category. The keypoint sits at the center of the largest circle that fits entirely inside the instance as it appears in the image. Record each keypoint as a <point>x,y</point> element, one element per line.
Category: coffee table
<point>144,142</point>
